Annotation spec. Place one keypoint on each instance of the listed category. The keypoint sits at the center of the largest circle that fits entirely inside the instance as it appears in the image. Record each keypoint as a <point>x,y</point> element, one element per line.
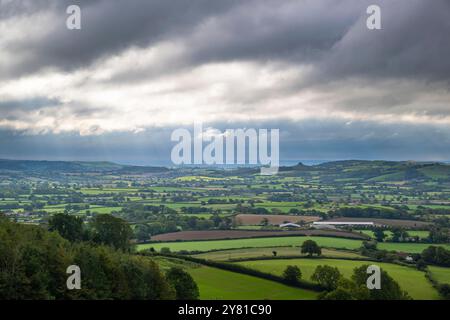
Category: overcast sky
<point>138,69</point>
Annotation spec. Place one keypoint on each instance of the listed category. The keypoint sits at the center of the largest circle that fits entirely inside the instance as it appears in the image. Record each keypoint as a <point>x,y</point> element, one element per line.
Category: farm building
<point>289,225</point>
<point>335,224</point>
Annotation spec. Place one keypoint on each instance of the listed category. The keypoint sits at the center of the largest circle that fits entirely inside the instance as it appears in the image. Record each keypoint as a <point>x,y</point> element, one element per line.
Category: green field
<point>268,252</point>
<point>217,284</point>
<point>411,280</point>
<point>412,233</point>
<point>440,274</point>
<point>408,247</point>
<point>328,242</point>
<point>252,243</point>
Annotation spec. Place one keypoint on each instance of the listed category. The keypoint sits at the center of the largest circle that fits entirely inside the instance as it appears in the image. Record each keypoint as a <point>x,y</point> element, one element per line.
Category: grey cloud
<point>414,43</point>
<point>15,109</point>
<point>318,140</point>
<point>108,27</point>
<point>330,35</point>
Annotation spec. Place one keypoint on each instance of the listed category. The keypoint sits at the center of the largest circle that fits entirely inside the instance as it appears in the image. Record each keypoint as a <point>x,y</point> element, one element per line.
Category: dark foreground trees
<point>105,229</point>
<point>33,264</point>
<point>184,284</point>
<point>112,231</point>
<point>69,227</point>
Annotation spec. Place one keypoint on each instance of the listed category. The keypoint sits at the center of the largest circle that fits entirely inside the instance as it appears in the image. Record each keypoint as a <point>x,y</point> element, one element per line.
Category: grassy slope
<point>267,252</point>
<point>339,243</point>
<point>411,280</point>
<point>254,243</point>
<point>220,284</point>
<point>420,233</point>
<point>440,274</point>
<point>408,247</point>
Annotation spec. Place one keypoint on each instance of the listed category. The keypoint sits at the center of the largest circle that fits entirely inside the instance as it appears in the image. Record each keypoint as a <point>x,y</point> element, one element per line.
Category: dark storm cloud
<point>401,70</point>
<point>330,35</point>
<point>414,43</point>
<point>108,27</point>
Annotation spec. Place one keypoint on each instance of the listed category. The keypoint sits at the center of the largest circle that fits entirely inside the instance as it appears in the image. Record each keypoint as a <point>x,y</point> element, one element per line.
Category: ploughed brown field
<point>275,219</point>
<point>239,234</point>
<point>387,222</point>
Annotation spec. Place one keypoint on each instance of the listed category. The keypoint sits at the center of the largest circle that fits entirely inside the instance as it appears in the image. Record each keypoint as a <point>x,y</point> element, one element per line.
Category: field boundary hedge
<point>300,257</point>
<point>436,284</point>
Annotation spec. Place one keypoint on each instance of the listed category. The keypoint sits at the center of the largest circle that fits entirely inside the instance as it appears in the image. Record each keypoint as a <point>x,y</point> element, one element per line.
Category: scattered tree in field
<point>310,247</point>
<point>292,274</point>
<point>274,253</point>
<point>399,234</point>
<point>379,234</point>
<point>184,284</point>
<point>421,265</point>
<point>326,276</point>
<point>436,255</point>
<point>345,290</point>
<point>390,289</point>
<point>112,231</point>
<point>69,227</point>
<point>356,288</point>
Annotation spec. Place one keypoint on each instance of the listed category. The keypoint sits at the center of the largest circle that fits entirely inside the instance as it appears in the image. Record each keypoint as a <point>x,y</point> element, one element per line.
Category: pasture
<point>217,284</point>
<point>250,253</point>
<point>440,274</point>
<point>408,247</point>
<point>410,279</point>
<point>252,243</point>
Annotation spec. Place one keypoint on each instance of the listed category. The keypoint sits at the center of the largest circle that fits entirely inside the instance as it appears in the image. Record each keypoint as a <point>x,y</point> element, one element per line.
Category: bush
<point>165,250</point>
<point>292,274</point>
<point>310,247</point>
<point>444,291</point>
<point>326,276</point>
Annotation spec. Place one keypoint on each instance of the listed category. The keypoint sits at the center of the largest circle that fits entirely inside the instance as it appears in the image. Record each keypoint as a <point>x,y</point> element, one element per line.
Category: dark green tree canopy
<point>327,276</point>
<point>292,274</point>
<point>112,231</point>
<point>69,227</point>
<point>310,247</point>
<point>184,284</point>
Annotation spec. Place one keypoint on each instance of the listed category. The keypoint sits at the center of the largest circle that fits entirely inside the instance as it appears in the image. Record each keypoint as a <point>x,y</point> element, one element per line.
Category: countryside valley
<point>308,232</point>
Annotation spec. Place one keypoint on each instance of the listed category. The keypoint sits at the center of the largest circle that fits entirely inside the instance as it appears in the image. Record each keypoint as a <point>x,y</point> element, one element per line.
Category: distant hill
<point>32,166</point>
<point>334,171</point>
<point>376,171</point>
